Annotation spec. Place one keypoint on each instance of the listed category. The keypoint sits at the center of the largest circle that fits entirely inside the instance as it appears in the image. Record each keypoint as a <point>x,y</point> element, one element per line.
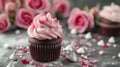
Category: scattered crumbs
<point>101,52</point>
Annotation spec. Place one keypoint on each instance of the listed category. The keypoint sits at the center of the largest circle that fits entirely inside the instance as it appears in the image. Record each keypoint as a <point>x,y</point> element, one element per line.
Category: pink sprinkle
<point>101,52</point>
<point>25,61</point>
<point>106,45</point>
<point>97,37</point>
<point>93,50</point>
<point>19,36</point>
<point>37,64</point>
<point>20,48</point>
<point>31,62</point>
<point>85,63</point>
<point>44,65</point>
<point>88,55</point>
<point>94,61</point>
<point>24,51</point>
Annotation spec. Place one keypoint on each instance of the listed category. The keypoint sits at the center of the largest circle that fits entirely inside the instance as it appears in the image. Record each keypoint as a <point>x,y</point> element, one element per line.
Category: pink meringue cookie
<point>45,27</point>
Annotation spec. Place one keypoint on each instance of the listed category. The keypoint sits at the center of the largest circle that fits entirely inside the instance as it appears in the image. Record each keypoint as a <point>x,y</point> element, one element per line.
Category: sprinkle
<point>106,45</point>
<point>73,57</point>
<point>89,44</point>
<point>119,55</point>
<point>93,50</point>
<point>101,43</point>
<point>13,56</point>
<point>37,64</point>
<point>88,35</point>
<point>81,50</point>
<point>101,52</point>
<point>113,57</point>
<point>97,37</point>
<point>17,32</point>
<point>19,37</point>
<point>44,65</point>
<point>73,31</point>
<point>69,48</point>
<point>32,62</point>
<point>25,61</point>
<point>85,63</point>
<point>114,45</point>
<point>111,40</point>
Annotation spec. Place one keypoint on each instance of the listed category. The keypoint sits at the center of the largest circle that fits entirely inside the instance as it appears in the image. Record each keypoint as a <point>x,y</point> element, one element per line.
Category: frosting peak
<point>45,27</point>
<point>111,13</point>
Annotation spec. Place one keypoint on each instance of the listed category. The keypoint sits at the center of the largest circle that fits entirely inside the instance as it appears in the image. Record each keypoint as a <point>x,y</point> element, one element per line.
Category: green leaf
<point>58,15</point>
<point>98,5</point>
<point>17,4</point>
<point>86,8</point>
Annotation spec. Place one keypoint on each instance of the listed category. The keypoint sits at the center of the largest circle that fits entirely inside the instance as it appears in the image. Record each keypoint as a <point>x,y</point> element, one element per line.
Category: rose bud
<point>10,8</point>
<point>80,20</point>
<point>94,11</point>
<point>61,8</point>
<point>38,5</point>
<point>2,5</point>
<point>24,18</point>
<point>4,22</point>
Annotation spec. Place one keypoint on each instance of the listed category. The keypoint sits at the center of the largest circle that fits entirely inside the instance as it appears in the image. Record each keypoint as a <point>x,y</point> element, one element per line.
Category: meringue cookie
<point>73,31</point>
<point>81,50</point>
<point>68,48</point>
<point>88,35</point>
<point>101,43</point>
<point>111,40</point>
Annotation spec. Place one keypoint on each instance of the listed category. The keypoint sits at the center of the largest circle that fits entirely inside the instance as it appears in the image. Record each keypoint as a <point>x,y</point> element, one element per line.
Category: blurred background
<point>92,3</point>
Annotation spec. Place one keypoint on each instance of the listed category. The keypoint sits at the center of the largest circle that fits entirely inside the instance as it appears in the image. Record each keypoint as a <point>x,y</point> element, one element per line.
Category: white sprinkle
<point>73,31</point>
<point>13,55</point>
<point>73,57</point>
<point>81,50</point>
<point>7,46</point>
<point>101,52</point>
<point>69,48</point>
<point>17,32</point>
<point>119,55</point>
<point>111,40</point>
<point>114,45</point>
<point>100,43</point>
<point>85,57</point>
<point>88,35</point>
<point>113,57</point>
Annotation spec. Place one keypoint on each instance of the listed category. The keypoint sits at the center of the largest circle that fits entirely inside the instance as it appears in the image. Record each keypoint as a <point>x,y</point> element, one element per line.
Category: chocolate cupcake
<point>45,37</point>
<point>109,20</point>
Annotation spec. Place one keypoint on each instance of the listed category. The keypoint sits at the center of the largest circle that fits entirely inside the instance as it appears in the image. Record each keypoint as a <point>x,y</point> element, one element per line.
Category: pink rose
<point>10,8</point>
<point>24,18</point>
<point>38,5</point>
<point>61,6</point>
<point>2,5</point>
<point>95,11</point>
<point>80,20</point>
<point>4,23</point>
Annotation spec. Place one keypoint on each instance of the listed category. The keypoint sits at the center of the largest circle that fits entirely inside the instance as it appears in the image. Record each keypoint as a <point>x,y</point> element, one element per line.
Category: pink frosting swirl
<point>45,27</point>
<point>111,13</point>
